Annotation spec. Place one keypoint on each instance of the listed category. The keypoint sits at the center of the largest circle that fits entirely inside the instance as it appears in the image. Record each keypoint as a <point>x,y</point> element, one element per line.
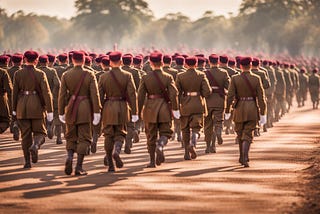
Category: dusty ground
<point>283,177</point>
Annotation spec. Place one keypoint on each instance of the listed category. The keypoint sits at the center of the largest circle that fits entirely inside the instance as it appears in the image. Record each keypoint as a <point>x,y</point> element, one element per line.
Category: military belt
<point>28,92</point>
<point>192,94</point>
<point>115,99</point>
<point>215,87</point>
<point>247,98</point>
<point>155,96</point>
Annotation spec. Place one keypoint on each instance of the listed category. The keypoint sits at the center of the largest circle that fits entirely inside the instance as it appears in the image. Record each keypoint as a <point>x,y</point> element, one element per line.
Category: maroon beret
<point>78,56</point>
<point>17,58</point>
<point>286,65</point>
<point>167,59</point>
<point>51,57</point>
<point>231,62</point>
<point>213,58</point>
<point>156,57</point>
<point>201,60</point>
<point>303,70</point>
<point>265,62</point>
<point>185,55</point>
<point>180,60</point>
<point>245,61</point>
<point>43,59</point>
<point>62,57</point>
<point>31,55</point>
<point>4,59</point>
<point>99,58</point>
<point>292,66</point>
<point>93,55</point>
<point>315,70</point>
<point>255,62</point>
<point>223,59</point>
<point>115,56</point>
<point>127,59</point>
<point>137,60</point>
<point>191,60</point>
<point>105,60</point>
<point>87,59</point>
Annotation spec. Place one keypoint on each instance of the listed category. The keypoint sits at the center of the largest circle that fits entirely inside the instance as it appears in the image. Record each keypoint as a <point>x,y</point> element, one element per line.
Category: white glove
<point>263,119</point>
<point>14,113</point>
<point>134,118</point>
<point>62,118</point>
<point>96,119</point>
<point>176,114</point>
<point>50,117</point>
<point>227,116</point>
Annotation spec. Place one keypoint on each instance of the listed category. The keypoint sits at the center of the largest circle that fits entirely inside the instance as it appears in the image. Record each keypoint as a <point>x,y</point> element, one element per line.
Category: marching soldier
<point>51,60</point>
<point>161,93</point>
<point>216,103</point>
<point>118,93</point>
<point>4,62</point>
<point>5,95</point>
<point>78,101</point>
<point>180,64</point>
<point>289,85</point>
<point>303,87</point>
<point>137,64</point>
<point>314,86</point>
<point>62,65</point>
<point>250,102</point>
<point>193,87</point>
<point>280,92</point>
<point>31,99</point>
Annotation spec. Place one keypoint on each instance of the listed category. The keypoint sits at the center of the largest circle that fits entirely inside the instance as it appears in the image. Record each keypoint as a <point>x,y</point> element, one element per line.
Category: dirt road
<point>213,183</point>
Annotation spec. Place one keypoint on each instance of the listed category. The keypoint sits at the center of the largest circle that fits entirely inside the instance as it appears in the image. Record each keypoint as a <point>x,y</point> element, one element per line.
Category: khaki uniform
<point>289,87</point>
<point>193,87</point>
<point>269,92</point>
<point>280,94</point>
<point>216,104</point>
<point>180,68</point>
<point>60,69</point>
<point>303,89</point>
<point>5,95</point>
<point>12,71</point>
<point>78,133</point>
<point>231,72</point>
<point>314,86</point>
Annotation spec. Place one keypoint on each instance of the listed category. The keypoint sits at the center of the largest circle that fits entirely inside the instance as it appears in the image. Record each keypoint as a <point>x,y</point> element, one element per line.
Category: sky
<point>65,8</point>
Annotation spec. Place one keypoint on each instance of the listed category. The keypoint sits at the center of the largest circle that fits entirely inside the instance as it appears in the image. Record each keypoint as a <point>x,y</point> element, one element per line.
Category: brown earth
<point>283,177</point>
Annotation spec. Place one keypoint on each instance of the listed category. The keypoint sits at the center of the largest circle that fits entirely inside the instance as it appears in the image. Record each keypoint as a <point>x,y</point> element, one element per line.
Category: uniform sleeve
<point>266,81</point>
<point>62,96</point>
<point>132,95</point>
<point>94,94</point>
<point>173,94</point>
<point>7,87</point>
<point>231,95</point>
<point>261,99</point>
<point>15,92</point>
<point>179,88</point>
<point>46,93</point>
<point>226,82</point>
<point>101,90</point>
<point>205,87</point>
<point>142,91</point>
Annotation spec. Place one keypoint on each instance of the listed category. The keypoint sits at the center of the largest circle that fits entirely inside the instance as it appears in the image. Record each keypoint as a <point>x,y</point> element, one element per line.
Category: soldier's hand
<point>50,117</point>
<point>96,119</point>
<point>62,118</point>
<point>263,119</point>
<point>227,116</point>
<point>14,113</point>
<point>176,114</point>
<point>134,118</point>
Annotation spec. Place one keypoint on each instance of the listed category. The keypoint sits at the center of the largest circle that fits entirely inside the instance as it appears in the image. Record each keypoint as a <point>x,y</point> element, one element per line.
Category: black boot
<point>245,149</point>
<point>37,142</point>
<point>15,131</point>
<point>213,145</point>
<point>26,154</point>
<point>207,151</point>
<point>79,170</point>
<point>152,155</point>
<point>240,152</point>
<point>218,131</point>
<point>127,146</point>
<point>58,130</point>
<point>179,137</point>
<point>163,140</point>
<point>136,137</point>
<point>110,161</point>
<point>50,130</point>
<point>116,154</point>
<point>186,151</point>
<point>69,160</point>
<point>105,160</point>
<point>93,146</point>
<point>192,146</point>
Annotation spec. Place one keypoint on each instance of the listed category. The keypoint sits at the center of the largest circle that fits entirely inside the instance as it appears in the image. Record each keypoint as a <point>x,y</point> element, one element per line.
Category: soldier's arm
<point>226,81</point>
<point>46,92</point>
<point>261,99</point>
<point>179,88</point>
<point>266,83</point>
<point>101,90</point>
<point>15,91</point>
<point>132,95</point>
<point>173,94</point>
<point>231,95</point>
<point>62,96</point>
<point>94,94</point>
<point>205,87</point>
<point>8,88</point>
<point>56,84</point>
<point>142,91</point>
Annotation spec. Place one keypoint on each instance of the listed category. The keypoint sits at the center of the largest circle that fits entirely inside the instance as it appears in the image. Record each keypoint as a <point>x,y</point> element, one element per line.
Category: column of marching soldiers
<point>86,95</point>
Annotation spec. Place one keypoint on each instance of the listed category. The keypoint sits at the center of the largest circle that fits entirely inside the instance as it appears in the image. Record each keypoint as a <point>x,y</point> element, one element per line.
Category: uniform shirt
<point>5,96</point>
<point>135,74</point>
<point>314,83</point>
<point>264,79</point>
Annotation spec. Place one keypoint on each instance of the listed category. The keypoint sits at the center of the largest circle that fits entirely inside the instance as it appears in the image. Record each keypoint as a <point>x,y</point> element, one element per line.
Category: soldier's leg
<point>108,147</point>
<point>71,146</point>
<point>96,132</point>
<point>217,123</point>
<point>239,130</point>
<point>39,131</point>
<point>119,138</point>
<point>129,137</point>
<point>165,131</point>
<point>152,134</point>
<point>185,129</point>
<point>208,130</point>
<point>196,123</point>
<point>26,135</point>
<point>136,132</point>
<point>83,148</point>
<point>247,138</point>
<point>278,108</point>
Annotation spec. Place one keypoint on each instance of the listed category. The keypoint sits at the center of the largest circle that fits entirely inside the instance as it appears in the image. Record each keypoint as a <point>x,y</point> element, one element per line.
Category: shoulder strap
<point>213,82</point>
<point>76,93</point>
<point>249,84</point>
<point>123,92</point>
<point>37,87</point>
<point>162,87</point>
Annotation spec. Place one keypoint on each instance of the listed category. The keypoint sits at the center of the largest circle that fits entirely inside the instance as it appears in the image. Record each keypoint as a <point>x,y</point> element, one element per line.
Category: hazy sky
<point>65,8</point>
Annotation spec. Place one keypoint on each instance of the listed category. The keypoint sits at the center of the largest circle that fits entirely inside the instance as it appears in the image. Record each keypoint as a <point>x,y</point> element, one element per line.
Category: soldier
<point>137,64</point>
<point>289,85</point>
<point>180,64</point>
<point>161,93</point>
<point>295,80</point>
<point>31,99</point>
<point>216,103</point>
<point>4,62</point>
<point>193,86</point>
<point>303,89</point>
<point>146,65</point>
<point>314,86</point>
<point>247,89</point>
<point>5,95</point>
<point>118,93</point>
<point>51,60</point>
<point>280,92</point>
<point>62,65</point>
<point>78,101</point>
<point>232,64</point>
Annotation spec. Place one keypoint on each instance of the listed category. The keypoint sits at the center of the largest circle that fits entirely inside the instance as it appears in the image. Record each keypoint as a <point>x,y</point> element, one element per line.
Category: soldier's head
<point>88,61</point>
<point>17,59</point>
<point>51,59</point>
<point>245,63</point>
<point>265,63</point>
<point>315,70</point>
<point>232,63</point>
<point>223,60</point>
<point>191,62</point>
<point>303,70</point>
<point>43,60</point>
<point>167,59</point>
<point>4,60</point>
<point>105,63</point>
<point>31,57</point>
<point>180,60</point>
<point>255,63</point>
<point>156,60</point>
<point>127,59</point>
<point>63,58</point>
<point>137,61</point>
<point>115,59</point>
<point>213,60</point>
<point>78,58</point>
<point>201,61</point>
